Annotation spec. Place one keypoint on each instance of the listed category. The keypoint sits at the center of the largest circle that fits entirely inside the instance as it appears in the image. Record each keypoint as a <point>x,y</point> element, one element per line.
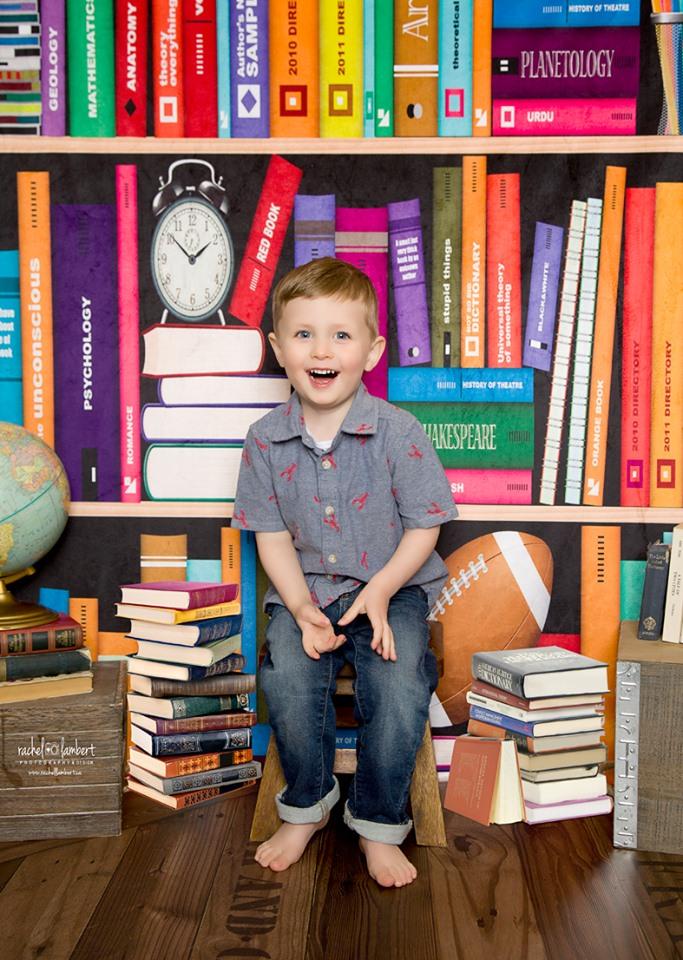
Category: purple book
<point>249,76</point>
<point>86,348</point>
<point>542,309</point>
<point>53,68</point>
<point>313,227</point>
<point>408,276</point>
<point>581,62</point>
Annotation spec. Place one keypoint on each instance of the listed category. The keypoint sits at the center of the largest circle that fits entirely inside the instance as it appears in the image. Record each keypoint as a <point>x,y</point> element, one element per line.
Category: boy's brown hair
<point>326,277</point>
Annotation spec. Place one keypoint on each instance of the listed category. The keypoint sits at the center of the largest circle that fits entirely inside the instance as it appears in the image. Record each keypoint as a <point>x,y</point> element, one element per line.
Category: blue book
<point>368,68</point>
<point>249,74</point>
<point>538,728</point>
<point>204,571</point>
<point>223,63</point>
<point>54,599</point>
<point>249,603</point>
<point>564,13</point>
<point>460,385</point>
<point>314,227</point>
<point>11,404</point>
<point>455,68</point>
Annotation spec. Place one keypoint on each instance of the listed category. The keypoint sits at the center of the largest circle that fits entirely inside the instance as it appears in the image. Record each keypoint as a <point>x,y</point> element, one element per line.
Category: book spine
<point>446,245</point>
<point>652,605</point>
<point>39,641</point>
<point>559,117</point>
<point>215,777</point>
<point>222,721</point>
<point>455,68</point>
<point>479,435</point>
<point>603,344</point>
<point>576,441</point>
<point>264,244</point>
<point>50,664</point>
<point>624,14</point>
<point>483,691</point>
<point>11,394</point>
<point>362,238</point>
<point>673,606</point>
<point>416,68</point>
<point>341,68</point>
<point>454,384</point>
<point>132,31</point>
<point>529,13</point>
<point>191,471</point>
<point>544,64</point>
<point>490,486</point>
<point>501,720</point>
<point>90,77</point>
<point>209,741</point>
<point>249,605</point>
<point>167,68</point>
<point>223,66</point>
<point>497,676</point>
<point>200,67</point>
<point>202,762</point>
<point>163,557</point>
<point>408,276</point>
<point>369,67</point>
<point>129,331</point>
<point>636,346</point>
<point>85,611</point>
<point>384,68</point>
<point>543,290</point>
<point>194,797</point>
<point>503,271</point>
<point>314,227</point>
<point>86,337</point>
<point>183,707</point>
<point>231,553</point>
<point>559,383</point>
<point>217,685</point>
<point>53,67</point>
<point>473,264</point>
<point>35,291</point>
<point>249,83</point>
<point>666,438</point>
<point>294,69</point>
<point>481,67</point>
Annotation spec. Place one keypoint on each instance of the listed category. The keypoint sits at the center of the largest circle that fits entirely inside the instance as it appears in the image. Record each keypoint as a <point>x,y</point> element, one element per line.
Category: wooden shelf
<point>351,145</point>
<point>484,513</point>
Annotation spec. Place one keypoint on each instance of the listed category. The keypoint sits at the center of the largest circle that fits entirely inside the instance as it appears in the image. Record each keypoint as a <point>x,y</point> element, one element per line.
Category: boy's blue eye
<point>343,335</point>
<point>302,334</point>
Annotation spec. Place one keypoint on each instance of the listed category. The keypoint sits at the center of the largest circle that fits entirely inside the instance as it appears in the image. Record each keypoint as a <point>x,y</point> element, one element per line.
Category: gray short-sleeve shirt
<point>347,507</point>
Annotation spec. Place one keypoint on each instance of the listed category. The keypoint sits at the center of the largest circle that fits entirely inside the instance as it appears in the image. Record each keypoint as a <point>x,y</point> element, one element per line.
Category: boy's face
<point>325,346</point>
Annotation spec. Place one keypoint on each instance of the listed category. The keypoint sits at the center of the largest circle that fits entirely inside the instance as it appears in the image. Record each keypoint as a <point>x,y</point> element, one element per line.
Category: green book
<point>384,68</point>
<point>483,435</point>
<point>631,584</point>
<point>90,53</point>
<point>446,242</point>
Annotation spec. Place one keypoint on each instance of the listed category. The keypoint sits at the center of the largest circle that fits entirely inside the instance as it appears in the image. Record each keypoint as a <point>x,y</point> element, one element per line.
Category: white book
<point>566,773</point>
<point>531,716</point>
<point>673,607</point>
<point>560,791</point>
<point>257,388</point>
<point>186,634</point>
<point>182,349</point>
<point>192,471</point>
<point>227,424</point>
<point>202,656</point>
<point>567,810</point>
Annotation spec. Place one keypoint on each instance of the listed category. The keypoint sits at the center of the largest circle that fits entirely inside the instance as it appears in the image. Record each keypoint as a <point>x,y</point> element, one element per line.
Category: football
<point>496,596</point>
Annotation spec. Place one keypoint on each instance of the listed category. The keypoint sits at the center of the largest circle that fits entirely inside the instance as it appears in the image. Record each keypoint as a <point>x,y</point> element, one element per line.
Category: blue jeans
<point>391,705</point>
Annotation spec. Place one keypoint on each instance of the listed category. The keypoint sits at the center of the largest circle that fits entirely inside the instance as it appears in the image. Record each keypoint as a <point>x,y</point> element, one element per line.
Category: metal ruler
<point>626,755</point>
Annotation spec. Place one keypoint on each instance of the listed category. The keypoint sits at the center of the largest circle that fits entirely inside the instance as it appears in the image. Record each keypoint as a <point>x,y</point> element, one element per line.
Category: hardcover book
<point>203,655</point>
<point>215,685</point>
<point>167,68</point>
<point>451,384</point>
<point>53,67</point>
<point>190,798</point>
<point>131,46</point>
<point>237,773</point>
<point>473,273</point>
<point>249,82</point>
<point>384,68</point>
<point>484,782</point>
<point>11,395</point>
<point>481,67</point>
<point>654,591</point>
<point>200,67</point>
<point>314,227</point>
<point>560,13</point>
<point>563,791</point>
<point>566,810</point>
<point>446,266</point>
<point>540,672</point>
<point>455,68</point>
<point>224,389</point>
<point>90,77</point>
<point>137,611</point>
<point>540,728</point>
<point>416,91</point>
<point>64,633</point>
<point>223,423</point>
<point>209,741</point>
<point>184,349</point>
<point>46,663</point>
<point>341,68</point>
<point>408,276</point>
<point>541,314</point>
<point>189,764</point>
<point>294,69</point>
<point>568,117</point>
<point>181,596</point>
<point>192,471</point>
<point>187,634</point>
<point>218,721</point>
<point>490,486</point>
<point>129,331</point>
<point>176,708</point>
<point>503,271</point>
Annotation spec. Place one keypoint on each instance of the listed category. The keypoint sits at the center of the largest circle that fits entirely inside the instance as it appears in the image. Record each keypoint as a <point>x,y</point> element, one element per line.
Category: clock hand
<point>188,255</point>
<point>200,252</point>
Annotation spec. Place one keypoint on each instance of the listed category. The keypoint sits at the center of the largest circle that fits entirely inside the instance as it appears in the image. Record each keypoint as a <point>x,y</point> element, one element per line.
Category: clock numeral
<point>167,278</point>
<point>193,299</point>
<point>207,293</point>
<point>178,225</point>
<point>193,219</point>
<point>163,258</point>
<point>220,260</point>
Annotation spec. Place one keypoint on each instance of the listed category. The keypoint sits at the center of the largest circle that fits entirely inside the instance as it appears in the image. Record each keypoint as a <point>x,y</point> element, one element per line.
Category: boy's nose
<point>321,348</point>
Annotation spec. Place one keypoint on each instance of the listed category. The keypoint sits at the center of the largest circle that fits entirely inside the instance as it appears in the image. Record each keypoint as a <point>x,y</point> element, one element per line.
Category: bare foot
<point>287,844</point>
<point>387,864</point>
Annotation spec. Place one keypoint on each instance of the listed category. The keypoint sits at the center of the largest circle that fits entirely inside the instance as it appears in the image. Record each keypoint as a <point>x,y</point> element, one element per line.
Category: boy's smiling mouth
<point>322,373</point>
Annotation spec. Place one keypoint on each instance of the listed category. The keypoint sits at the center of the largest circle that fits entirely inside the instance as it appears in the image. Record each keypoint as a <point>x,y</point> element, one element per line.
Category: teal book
<point>11,403</point>
<point>27,666</point>
<point>90,52</point>
<point>384,68</point>
<point>455,67</point>
<point>484,435</point>
<point>204,571</point>
<point>631,583</point>
<point>223,64</point>
<point>368,68</point>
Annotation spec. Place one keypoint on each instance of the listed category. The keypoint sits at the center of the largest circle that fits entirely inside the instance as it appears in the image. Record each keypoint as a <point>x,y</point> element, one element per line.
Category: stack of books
<point>191,737</point>
<point>550,701</point>
<point>45,661</point>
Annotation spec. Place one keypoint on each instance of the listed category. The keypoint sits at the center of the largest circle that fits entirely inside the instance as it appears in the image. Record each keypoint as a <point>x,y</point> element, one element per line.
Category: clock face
<point>192,258</point>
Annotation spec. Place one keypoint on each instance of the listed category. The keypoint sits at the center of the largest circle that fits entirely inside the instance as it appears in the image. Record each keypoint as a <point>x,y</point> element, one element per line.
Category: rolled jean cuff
<point>313,814</point>
<point>372,830</point>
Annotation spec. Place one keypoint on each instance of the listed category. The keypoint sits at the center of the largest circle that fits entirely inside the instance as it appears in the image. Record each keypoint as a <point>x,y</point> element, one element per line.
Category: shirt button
<point>329,510</point>
<point>332,558</point>
<point>326,464</point>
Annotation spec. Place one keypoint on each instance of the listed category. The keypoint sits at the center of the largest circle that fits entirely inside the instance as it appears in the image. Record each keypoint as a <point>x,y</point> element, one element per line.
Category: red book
<point>593,700</point>
<point>167,68</point>
<point>636,363</point>
<point>132,28</point>
<point>503,271</point>
<point>64,633</point>
<point>178,595</point>
<point>200,68</point>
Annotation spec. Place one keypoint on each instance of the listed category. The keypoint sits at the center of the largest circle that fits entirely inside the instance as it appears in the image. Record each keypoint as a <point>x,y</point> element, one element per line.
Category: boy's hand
<point>374,602</point>
<point>317,633</point>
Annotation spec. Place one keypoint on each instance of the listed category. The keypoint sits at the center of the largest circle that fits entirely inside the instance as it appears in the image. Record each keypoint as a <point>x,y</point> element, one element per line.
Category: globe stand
<point>15,615</point>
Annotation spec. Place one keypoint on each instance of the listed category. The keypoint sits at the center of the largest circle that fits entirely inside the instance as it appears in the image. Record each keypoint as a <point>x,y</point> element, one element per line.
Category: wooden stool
<point>425,799</point>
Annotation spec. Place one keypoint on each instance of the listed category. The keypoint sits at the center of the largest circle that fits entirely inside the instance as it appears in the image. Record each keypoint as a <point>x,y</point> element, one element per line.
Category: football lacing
<point>457,585</point>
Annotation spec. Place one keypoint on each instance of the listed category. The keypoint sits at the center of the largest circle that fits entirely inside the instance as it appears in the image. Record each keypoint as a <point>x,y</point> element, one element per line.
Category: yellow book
<point>341,68</point>
<point>482,22</point>
<point>135,611</point>
<point>163,558</point>
<point>666,416</point>
<point>473,273</point>
<point>35,291</point>
<point>85,610</point>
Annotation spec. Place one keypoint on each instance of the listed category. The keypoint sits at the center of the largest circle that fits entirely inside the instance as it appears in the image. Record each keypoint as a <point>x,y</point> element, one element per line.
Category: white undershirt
<point>320,444</point>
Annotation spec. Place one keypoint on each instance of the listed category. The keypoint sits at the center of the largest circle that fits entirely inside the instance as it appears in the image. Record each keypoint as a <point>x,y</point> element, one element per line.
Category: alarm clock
<point>192,256</point>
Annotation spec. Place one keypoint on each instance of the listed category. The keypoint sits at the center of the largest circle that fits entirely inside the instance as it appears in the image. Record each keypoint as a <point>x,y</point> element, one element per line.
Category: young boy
<point>346,496</point>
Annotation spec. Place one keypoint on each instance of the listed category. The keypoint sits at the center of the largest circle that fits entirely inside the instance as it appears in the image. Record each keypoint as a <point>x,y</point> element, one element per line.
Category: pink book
<point>362,238</point>
<point>564,118</point>
<point>178,595</point>
<point>566,810</point>
<point>129,327</point>
<point>636,364</point>
<point>568,641</point>
<point>490,486</point>
<point>503,271</point>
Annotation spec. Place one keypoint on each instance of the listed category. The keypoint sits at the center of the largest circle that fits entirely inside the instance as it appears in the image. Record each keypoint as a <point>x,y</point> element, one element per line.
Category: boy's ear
<point>375,355</point>
<point>272,339</point>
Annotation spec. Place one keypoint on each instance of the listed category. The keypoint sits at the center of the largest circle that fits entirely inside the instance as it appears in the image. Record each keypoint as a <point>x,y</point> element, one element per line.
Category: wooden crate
<point>61,770</point>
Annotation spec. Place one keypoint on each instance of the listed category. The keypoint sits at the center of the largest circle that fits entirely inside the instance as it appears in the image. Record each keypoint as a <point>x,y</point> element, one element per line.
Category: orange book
<point>503,271</point>
<point>167,72</point>
<point>294,68</point>
<point>35,290</point>
<point>416,68</point>
<point>85,610</point>
<point>481,67</point>
<point>600,613</point>
<point>603,337</point>
<point>115,646</point>
<point>473,272</point>
<point>477,728</point>
<point>666,412</point>
<point>230,555</point>
<point>163,557</point>
<point>485,783</point>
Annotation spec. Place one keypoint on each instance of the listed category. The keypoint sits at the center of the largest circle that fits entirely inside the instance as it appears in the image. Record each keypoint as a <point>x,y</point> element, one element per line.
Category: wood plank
<point>7,871</point>
<point>662,878</point>
<point>156,898</point>
<point>51,896</point>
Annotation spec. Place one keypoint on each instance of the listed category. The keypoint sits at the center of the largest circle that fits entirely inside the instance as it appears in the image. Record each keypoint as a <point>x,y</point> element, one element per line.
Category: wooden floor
<point>185,885</point>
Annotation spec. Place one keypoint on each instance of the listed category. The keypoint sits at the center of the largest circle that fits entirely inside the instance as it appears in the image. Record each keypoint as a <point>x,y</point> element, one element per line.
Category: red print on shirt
<point>314,598</point>
<point>415,452</point>
<point>332,522</point>
<point>260,444</point>
<point>435,510</point>
<point>246,457</point>
<point>364,559</point>
<point>240,517</point>
<point>316,499</point>
<point>332,460</point>
<point>360,501</point>
<point>287,410</point>
<point>272,498</point>
<point>288,472</point>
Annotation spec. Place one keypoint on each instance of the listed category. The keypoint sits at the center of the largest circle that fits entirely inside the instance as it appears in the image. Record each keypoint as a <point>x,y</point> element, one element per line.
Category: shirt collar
<point>361,420</point>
